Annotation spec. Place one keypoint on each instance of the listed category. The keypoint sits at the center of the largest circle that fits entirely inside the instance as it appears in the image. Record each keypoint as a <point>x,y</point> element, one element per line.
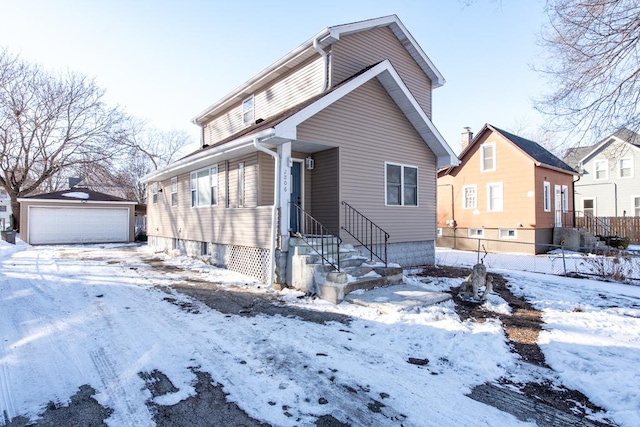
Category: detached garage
<point>77,215</point>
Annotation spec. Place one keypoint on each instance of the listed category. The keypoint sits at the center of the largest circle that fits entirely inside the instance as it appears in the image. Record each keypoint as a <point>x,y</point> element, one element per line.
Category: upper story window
<point>601,169</point>
<point>494,197</point>
<point>625,168</point>
<point>547,197</point>
<point>3,193</point>
<point>174,191</point>
<point>248,110</point>
<point>488,157</point>
<point>469,196</point>
<point>204,187</point>
<point>401,184</point>
<point>154,192</point>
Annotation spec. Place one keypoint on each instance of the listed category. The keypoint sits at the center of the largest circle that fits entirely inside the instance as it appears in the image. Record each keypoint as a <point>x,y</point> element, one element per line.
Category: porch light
<point>310,163</point>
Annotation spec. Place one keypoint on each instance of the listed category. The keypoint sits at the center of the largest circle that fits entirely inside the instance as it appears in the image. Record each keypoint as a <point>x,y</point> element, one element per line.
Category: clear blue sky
<point>166,61</point>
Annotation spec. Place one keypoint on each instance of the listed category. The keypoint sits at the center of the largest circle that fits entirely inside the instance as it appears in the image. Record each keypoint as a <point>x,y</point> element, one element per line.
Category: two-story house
<point>5,209</point>
<point>609,172</point>
<point>506,189</point>
<point>337,129</point>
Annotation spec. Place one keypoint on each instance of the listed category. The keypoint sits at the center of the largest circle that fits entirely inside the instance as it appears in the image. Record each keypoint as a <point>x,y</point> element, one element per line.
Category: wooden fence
<point>621,226</point>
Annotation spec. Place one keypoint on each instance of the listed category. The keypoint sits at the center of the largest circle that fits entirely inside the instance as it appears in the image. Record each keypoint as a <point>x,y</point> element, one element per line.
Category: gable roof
<point>622,134</point>
<point>536,152</point>
<point>282,128</point>
<point>78,195</point>
<point>323,39</point>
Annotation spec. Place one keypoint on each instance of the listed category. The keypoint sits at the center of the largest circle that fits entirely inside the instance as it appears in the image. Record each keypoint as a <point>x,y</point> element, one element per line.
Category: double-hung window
<point>174,191</point>
<point>401,184</point>
<point>241,199</point>
<point>154,192</point>
<point>601,169</point>
<point>488,157</point>
<point>636,206</point>
<point>546,201</point>
<point>469,197</point>
<point>248,110</point>
<point>494,197</point>
<point>204,187</point>
<point>625,168</point>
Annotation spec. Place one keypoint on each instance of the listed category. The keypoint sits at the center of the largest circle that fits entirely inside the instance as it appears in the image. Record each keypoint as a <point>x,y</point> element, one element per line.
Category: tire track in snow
<point>117,394</point>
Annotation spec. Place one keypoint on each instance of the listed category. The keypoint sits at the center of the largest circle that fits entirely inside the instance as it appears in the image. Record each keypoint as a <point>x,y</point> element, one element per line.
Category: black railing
<point>361,228</point>
<point>592,224</point>
<point>318,237</point>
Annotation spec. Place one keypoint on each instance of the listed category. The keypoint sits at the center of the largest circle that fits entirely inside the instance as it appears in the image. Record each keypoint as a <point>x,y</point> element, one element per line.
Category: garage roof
<point>78,195</point>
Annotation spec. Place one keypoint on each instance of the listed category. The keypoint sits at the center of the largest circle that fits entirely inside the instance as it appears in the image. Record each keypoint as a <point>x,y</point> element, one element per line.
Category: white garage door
<point>51,225</point>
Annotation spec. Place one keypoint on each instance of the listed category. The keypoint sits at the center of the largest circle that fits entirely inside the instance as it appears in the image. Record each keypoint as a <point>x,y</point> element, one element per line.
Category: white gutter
<point>274,209</point>
<point>325,77</point>
<point>222,149</point>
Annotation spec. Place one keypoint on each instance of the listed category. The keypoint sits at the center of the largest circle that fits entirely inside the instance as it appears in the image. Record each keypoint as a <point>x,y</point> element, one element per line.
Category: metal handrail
<point>366,232</point>
<point>314,234</point>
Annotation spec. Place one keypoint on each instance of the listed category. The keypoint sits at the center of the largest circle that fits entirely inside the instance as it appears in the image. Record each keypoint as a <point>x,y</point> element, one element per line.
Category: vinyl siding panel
<point>325,204</point>
<point>244,226</point>
<point>354,52</point>
<point>370,130</point>
<point>266,173</point>
<point>292,88</point>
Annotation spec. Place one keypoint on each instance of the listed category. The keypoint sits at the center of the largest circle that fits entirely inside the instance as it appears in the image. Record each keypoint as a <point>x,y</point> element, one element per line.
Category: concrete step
<point>340,284</point>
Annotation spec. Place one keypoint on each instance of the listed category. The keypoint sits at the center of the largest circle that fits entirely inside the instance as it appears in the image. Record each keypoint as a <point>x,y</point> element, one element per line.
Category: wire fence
<point>604,262</point>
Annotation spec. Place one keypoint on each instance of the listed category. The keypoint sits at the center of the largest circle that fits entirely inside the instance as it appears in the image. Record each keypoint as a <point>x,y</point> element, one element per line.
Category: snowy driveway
<point>106,317</point>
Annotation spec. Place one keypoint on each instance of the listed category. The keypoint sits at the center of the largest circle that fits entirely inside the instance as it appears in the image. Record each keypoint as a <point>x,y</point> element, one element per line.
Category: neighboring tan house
<point>506,189</point>
<point>341,123</point>
<point>5,209</point>
<point>609,183</point>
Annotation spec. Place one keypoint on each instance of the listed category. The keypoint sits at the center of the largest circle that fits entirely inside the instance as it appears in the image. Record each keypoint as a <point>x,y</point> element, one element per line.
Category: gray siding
<point>325,204</point>
<point>613,196</point>
<point>370,130</point>
<point>289,90</point>
<point>354,52</point>
<point>243,226</point>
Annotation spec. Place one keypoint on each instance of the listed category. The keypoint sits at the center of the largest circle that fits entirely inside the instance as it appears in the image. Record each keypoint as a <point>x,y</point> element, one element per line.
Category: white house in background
<point>609,184</point>
<point>5,209</point>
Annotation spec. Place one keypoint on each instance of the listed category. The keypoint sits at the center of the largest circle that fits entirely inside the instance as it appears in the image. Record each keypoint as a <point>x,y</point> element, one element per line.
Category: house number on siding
<point>285,181</point>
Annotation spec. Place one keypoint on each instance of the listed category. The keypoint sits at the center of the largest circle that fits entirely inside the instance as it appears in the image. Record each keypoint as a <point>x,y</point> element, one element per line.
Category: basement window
<point>476,232</point>
<point>508,233</point>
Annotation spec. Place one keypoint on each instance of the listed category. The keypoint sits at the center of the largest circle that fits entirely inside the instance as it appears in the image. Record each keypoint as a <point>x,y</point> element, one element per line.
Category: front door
<point>558,205</point>
<point>296,196</point>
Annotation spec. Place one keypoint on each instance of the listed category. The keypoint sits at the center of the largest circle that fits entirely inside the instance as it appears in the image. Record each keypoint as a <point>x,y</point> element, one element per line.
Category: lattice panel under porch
<point>253,262</point>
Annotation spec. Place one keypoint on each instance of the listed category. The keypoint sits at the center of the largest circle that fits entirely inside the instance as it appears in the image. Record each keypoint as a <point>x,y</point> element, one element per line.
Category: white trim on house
<point>631,168</point>
<point>605,169</point>
<point>393,84</point>
<point>401,202</point>
<point>475,196</point>
<point>76,202</point>
<point>326,37</point>
<point>546,196</point>
<point>490,187</point>
<point>633,205</point>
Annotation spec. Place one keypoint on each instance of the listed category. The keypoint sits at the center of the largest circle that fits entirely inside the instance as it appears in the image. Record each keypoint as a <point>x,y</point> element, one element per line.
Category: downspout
<point>274,209</point>
<point>325,74</point>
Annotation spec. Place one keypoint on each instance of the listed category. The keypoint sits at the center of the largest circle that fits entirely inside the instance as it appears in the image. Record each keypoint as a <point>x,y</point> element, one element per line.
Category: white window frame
<point>248,110</point>
<point>174,191</point>
<point>605,170</point>
<point>630,159</point>
<point>503,233</point>
<point>439,232</point>
<point>491,145</point>
<point>546,196</point>
<point>474,205</point>
<point>211,186</point>
<point>565,198</point>
<point>154,192</point>
<point>634,209</point>
<point>402,185</point>
<point>241,186</point>
<point>593,199</point>
<point>490,207</point>
<point>475,233</point>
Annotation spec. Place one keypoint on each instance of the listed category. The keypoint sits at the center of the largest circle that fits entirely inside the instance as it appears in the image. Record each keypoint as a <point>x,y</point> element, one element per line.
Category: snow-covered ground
<point>100,315</point>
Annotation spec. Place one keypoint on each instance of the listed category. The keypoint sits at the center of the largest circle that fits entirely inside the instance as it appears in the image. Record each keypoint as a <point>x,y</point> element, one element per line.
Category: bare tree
<point>594,66</point>
<point>50,123</point>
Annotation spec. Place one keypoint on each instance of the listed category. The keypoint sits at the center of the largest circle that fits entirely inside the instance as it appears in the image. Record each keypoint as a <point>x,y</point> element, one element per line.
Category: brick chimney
<point>467,136</point>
